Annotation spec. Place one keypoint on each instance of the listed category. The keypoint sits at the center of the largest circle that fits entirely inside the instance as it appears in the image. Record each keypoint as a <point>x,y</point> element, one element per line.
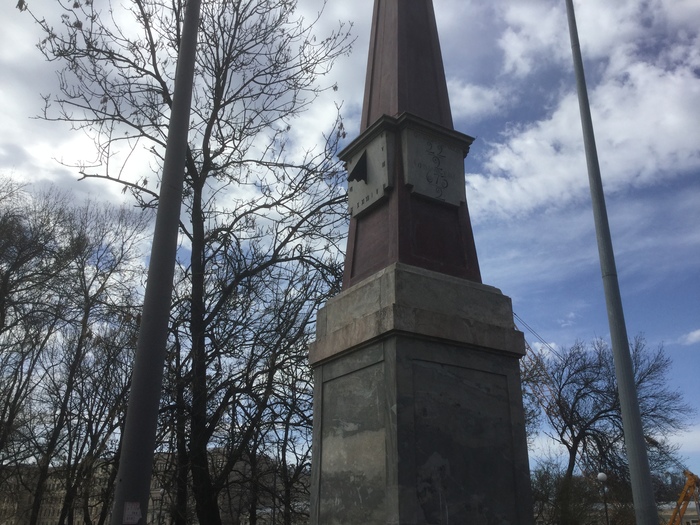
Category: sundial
<point>432,162</point>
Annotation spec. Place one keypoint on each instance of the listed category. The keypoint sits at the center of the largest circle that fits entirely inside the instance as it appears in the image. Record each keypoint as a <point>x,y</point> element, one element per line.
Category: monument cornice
<point>399,123</point>
<point>411,300</point>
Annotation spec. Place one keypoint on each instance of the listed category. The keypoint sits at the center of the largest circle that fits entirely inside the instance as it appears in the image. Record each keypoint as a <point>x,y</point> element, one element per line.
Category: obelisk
<point>418,415</point>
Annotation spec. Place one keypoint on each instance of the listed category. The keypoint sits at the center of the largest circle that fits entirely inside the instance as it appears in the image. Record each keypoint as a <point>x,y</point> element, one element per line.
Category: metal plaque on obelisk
<point>418,415</point>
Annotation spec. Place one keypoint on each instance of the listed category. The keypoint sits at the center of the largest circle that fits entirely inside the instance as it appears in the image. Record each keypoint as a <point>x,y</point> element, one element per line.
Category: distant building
<point>17,486</point>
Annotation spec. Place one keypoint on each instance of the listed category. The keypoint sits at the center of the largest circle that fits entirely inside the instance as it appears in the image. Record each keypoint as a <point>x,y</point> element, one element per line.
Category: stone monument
<point>418,415</point>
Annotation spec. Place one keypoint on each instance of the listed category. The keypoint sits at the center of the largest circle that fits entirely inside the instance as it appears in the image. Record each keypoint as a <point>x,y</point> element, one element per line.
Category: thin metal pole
<point>640,475</point>
<point>138,443</point>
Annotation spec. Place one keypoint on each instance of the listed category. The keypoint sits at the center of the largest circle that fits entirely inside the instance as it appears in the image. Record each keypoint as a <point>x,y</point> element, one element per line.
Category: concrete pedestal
<point>418,414</point>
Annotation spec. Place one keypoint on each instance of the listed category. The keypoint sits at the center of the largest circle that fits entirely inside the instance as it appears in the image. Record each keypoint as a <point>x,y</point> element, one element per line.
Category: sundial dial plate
<point>368,174</point>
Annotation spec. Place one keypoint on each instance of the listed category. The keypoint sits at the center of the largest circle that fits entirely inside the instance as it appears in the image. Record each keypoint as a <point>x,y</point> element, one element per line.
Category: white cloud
<point>689,441</point>
<point>568,320</point>
<point>534,35</point>
<point>604,25</point>
<point>536,164</point>
<point>683,13</point>
<point>645,109</point>
<point>645,101</point>
<point>538,346</point>
<point>537,31</point>
<point>690,338</point>
<point>647,117</point>
<point>471,102</point>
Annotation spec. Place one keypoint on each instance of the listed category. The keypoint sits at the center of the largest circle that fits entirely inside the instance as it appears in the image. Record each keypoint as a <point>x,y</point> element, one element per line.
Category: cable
<point>538,336</point>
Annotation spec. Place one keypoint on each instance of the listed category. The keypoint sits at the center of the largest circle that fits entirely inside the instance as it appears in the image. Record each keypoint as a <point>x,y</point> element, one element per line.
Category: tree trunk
<point>179,511</point>
<point>205,496</point>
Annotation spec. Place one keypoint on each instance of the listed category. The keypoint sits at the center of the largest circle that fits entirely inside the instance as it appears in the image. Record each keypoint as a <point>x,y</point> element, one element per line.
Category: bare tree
<point>580,506</point>
<point>263,216</point>
<point>291,439</point>
<point>33,256</point>
<point>70,280</point>
<point>576,391</point>
<point>95,294</point>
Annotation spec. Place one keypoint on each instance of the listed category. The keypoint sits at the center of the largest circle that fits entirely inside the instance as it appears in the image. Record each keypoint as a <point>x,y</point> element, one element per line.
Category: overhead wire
<point>538,336</point>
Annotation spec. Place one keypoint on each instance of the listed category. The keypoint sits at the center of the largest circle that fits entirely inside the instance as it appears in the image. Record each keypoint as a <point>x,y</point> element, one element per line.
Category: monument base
<point>418,415</point>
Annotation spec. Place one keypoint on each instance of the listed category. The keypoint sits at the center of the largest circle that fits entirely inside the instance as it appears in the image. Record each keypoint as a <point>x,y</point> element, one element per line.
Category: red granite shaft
<point>405,72</point>
<point>406,89</point>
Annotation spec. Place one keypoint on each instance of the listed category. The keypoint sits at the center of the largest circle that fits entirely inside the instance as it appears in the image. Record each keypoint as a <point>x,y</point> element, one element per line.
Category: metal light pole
<point>640,475</point>
<point>138,442</point>
<point>602,477</point>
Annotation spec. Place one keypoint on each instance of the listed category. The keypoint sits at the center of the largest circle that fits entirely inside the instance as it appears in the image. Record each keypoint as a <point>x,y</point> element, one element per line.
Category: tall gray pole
<point>138,442</point>
<point>642,492</point>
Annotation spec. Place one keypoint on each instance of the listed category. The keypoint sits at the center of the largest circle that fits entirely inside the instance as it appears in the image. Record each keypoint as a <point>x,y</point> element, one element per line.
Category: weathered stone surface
<point>408,299</point>
<point>463,445</point>
<point>414,427</point>
<point>353,469</point>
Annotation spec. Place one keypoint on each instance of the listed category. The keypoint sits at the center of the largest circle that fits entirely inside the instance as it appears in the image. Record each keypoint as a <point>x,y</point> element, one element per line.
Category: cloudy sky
<point>512,86</point>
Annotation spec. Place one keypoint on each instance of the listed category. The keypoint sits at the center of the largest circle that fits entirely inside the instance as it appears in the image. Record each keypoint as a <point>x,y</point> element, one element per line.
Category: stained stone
<point>418,421</point>
<point>418,414</point>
